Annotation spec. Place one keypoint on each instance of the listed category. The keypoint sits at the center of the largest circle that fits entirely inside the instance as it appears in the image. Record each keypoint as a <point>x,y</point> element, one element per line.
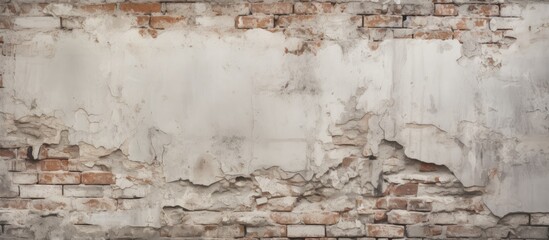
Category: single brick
<point>306,231</point>
<point>313,7</point>
<point>391,203</point>
<point>272,8</point>
<point>54,165</point>
<point>99,8</point>
<point>361,8</point>
<point>463,231</point>
<point>40,191</point>
<point>420,205</point>
<point>50,204</point>
<point>405,189</point>
<point>266,231</point>
<point>480,36</point>
<point>24,178</point>
<point>14,203</point>
<point>479,10</point>
<point>539,219</point>
<point>443,35</point>
<point>94,204</point>
<point>142,21</point>
<point>385,230</point>
<point>59,178</point>
<point>145,8</point>
<point>446,10</point>
<point>423,230</point>
<point>83,191</point>
<point>247,22</point>
<point>468,23</point>
<point>98,178</point>
<point>532,232</point>
<point>428,167</point>
<point>516,219</point>
<point>16,165</point>
<point>167,21</point>
<point>510,10</point>
<point>37,22</point>
<point>6,153</point>
<point>415,9</point>
<point>323,218</point>
<point>405,217</point>
<point>285,218</point>
<point>375,21</point>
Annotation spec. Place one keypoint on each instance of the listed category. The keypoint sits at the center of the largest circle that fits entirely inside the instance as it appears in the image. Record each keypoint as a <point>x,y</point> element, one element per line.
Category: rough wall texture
<point>374,119</point>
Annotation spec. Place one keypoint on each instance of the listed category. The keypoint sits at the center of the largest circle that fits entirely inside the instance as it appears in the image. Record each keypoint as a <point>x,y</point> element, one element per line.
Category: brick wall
<point>72,190</point>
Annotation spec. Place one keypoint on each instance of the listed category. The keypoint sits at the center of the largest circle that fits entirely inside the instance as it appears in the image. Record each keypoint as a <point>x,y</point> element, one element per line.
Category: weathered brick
<point>443,35</point>
<point>306,231</point>
<point>16,165</point>
<point>478,36</point>
<point>83,191</point>
<point>463,231</point>
<point>97,178</point>
<point>532,232</point>
<point>498,23</point>
<point>99,8</point>
<point>391,203</point>
<point>282,204</point>
<point>266,231</point>
<point>24,178</point>
<point>324,218</point>
<point>420,205</point>
<point>510,10</point>
<point>94,204</point>
<point>36,22</point>
<point>404,189</point>
<point>539,219</point>
<point>167,21</point>
<point>446,10</point>
<point>141,21</point>
<point>145,8</point>
<point>247,22</point>
<point>376,21</point>
<point>385,230</point>
<point>40,191</point>
<point>405,217</point>
<point>55,204</point>
<point>313,7</point>
<point>6,153</point>
<point>361,8</point>
<point>272,8</point>
<point>72,22</point>
<point>54,165</point>
<point>285,218</point>
<point>412,8</point>
<point>479,10</point>
<point>423,230</point>
<point>515,219</point>
<point>448,217</point>
<point>59,178</point>
<point>469,23</point>
<point>14,203</point>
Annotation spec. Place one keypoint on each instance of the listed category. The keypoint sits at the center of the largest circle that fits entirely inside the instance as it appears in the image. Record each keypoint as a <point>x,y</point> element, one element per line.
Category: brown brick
<point>285,218</point>
<point>463,231</point>
<point>142,21</point>
<point>380,216</point>
<point>167,21</point>
<point>54,165</point>
<point>323,218</point>
<point>405,217</point>
<point>469,23</point>
<point>443,35</point>
<point>14,203</point>
<point>98,8</point>
<point>482,10</point>
<point>420,205</point>
<point>385,230</point>
<point>145,8</point>
<point>391,203</point>
<point>97,178</point>
<point>375,21</point>
<point>313,7</point>
<point>6,153</point>
<point>59,178</point>
<point>405,189</point>
<point>446,10</point>
<point>49,205</point>
<point>427,167</point>
<point>254,22</point>
<point>272,8</point>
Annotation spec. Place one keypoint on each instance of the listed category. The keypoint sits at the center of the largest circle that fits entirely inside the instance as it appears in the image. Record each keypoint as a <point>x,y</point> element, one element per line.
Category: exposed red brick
<point>145,8</point>
<point>420,205</point>
<point>446,10</point>
<point>313,7</point>
<point>391,203</point>
<point>54,165</point>
<point>323,218</point>
<point>285,218</point>
<point>23,152</point>
<point>272,8</point>
<point>266,231</point>
<point>142,21</point>
<point>14,203</point>
<point>469,23</point>
<point>405,189</point>
<point>97,8</point>
<point>385,230</point>
<point>380,216</point>
<point>48,205</point>
<point>98,178</point>
<point>167,21</point>
<point>443,35</point>
<point>427,167</point>
<point>148,32</point>
<point>6,153</point>
<point>375,21</point>
<point>254,22</point>
<point>59,178</point>
<point>405,217</point>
